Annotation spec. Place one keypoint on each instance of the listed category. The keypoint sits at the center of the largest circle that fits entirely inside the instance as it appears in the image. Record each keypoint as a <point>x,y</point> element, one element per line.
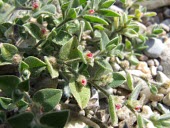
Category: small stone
<point>167,12</point>
<point>155,48</point>
<point>154,103</point>
<point>166,22</point>
<point>142,66</point>
<point>116,67</point>
<point>125,64</point>
<point>165,27</point>
<point>146,112</point>
<point>143,58</point>
<point>146,92</point>
<point>161,77</point>
<point>166,99</point>
<point>160,68</point>
<point>153,70</point>
<point>164,90</point>
<point>157,97</point>
<point>156,62</point>
<point>150,63</point>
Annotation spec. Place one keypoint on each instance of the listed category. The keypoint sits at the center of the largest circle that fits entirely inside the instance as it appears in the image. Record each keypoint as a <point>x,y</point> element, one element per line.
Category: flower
<point>43,31</point>
<point>82,80</point>
<point>89,55</point>
<point>91,11</point>
<point>118,106</point>
<point>35,5</point>
<point>137,108</point>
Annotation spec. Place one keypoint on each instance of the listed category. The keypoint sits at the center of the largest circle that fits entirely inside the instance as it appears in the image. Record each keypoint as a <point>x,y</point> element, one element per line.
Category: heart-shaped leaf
<point>53,72</point>
<point>23,66</point>
<point>4,102</point>
<point>118,79</point>
<point>8,83</point>
<point>34,62</point>
<point>95,19</point>
<point>22,120</point>
<point>80,93</point>
<point>49,9</point>
<point>24,85</point>
<point>48,98</point>
<point>135,93</point>
<point>8,51</point>
<point>33,30</point>
<point>55,119</point>
<point>69,50</point>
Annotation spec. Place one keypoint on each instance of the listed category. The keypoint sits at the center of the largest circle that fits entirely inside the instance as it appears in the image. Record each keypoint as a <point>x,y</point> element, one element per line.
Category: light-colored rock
<point>161,77</point>
<point>143,58</point>
<point>165,58</point>
<point>167,12</point>
<point>147,94</point>
<point>153,70</point>
<point>146,112</point>
<point>166,22</point>
<point>157,97</point>
<point>156,62</point>
<point>166,99</point>
<point>142,66</point>
<point>116,67</point>
<point>150,63</point>
<point>150,125</point>
<point>160,68</point>
<point>155,48</point>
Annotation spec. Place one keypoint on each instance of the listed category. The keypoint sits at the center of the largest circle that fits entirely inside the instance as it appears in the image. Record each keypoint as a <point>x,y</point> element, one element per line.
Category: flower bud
<point>137,108</point>
<point>43,31</point>
<point>118,106</point>
<point>16,59</point>
<point>91,11</point>
<point>82,80</point>
<point>35,5</point>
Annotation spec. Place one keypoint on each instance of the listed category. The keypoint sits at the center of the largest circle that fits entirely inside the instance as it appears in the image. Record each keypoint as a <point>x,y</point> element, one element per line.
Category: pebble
<point>166,22</point>
<point>165,58</point>
<point>156,62</point>
<point>167,12</point>
<point>161,77</point>
<point>160,68</point>
<point>153,70</point>
<point>166,99</point>
<point>116,67</point>
<point>165,27</point>
<point>146,112</point>
<point>155,48</point>
<point>157,97</point>
<point>143,58</point>
<point>150,63</point>
<point>142,66</point>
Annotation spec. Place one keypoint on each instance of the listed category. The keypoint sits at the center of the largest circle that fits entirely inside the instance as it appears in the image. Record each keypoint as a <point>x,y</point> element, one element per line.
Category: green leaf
<point>71,14</point>
<point>123,1</point>
<point>34,62</point>
<point>8,83</point>
<point>69,50</point>
<point>135,93</point>
<point>150,14</point>
<point>165,117</point>
<point>33,30</point>
<point>49,9</point>
<point>17,95</point>
<point>118,80</point>
<point>104,64</point>
<point>109,13</point>
<point>140,121</point>
<point>128,45</point>
<point>153,89</point>
<point>99,27</point>
<point>112,111</point>
<point>61,38</point>
<point>113,43</point>
<point>80,93</point>
<point>95,19</point>
<point>8,51</point>
<point>48,98</point>
<point>4,102</point>
<point>23,66</point>
<point>133,60</point>
<point>130,81</point>
<point>130,33</point>
<point>104,40</point>
<point>80,51</point>
<point>53,72</point>
<point>24,85</point>
<point>157,31</point>
<point>20,3</point>
<point>107,3</point>
<point>165,123</point>
<point>55,119</point>
<point>22,120</point>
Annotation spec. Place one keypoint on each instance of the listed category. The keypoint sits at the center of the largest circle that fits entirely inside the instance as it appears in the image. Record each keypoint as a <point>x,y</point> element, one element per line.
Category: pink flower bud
<point>82,80</point>
<point>43,31</point>
<point>35,5</point>
<point>89,55</point>
<point>137,108</point>
<point>91,11</point>
<point>118,106</point>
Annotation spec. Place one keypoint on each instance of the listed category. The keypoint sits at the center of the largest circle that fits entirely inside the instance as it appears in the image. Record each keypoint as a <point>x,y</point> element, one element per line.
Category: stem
<point>23,8</point>
<point>72,60</point>
<point>101,89</point>
<point>27,97</point>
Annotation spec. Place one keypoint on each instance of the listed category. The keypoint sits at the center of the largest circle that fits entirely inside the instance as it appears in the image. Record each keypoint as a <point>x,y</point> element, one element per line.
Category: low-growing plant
<point>55,52</point>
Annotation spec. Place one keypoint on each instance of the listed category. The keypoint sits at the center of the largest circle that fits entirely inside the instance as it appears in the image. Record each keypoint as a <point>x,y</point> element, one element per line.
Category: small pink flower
<point>84,82</point>
<point>89,55</point>
<point>137,108</point>
<point>43,31</point>
<point>118,106</point>
<point>35,5</point>
<point>91,11</point>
